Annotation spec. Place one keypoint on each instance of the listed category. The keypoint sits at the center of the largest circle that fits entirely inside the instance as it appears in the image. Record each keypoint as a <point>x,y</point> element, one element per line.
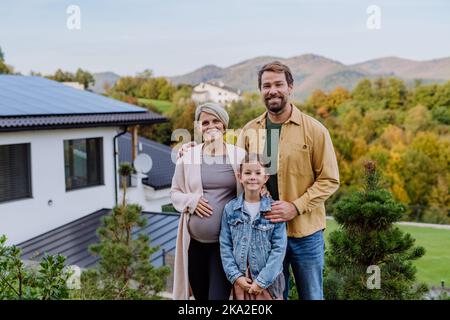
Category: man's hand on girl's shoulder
<point>282,211</point>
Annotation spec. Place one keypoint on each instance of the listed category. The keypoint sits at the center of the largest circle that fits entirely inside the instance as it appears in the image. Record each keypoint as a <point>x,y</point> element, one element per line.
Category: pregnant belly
<point>207,229</point>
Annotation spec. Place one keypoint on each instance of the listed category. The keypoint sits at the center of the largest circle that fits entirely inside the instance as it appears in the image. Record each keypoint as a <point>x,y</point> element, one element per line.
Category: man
<point>304,173</point>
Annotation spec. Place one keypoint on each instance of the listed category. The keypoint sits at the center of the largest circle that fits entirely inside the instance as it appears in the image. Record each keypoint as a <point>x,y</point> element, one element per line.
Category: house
<point>215,92</point>
<point>153,194</point>
<point>73,84</point>
<point>59,156</point>
<point>73,239</point>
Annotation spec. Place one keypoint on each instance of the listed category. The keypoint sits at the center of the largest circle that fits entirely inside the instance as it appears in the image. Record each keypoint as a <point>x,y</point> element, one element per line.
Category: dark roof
<point>77,121</point>
<point>39,103</point>
<point>160,176</point>
<point>73,239</point>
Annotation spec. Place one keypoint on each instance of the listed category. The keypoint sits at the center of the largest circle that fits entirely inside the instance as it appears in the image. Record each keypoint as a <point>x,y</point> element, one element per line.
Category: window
<point>15,172</point>
<point>83,162</point>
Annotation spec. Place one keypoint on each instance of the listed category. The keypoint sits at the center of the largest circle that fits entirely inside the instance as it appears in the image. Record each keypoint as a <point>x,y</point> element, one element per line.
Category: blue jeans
<point>306,256</point>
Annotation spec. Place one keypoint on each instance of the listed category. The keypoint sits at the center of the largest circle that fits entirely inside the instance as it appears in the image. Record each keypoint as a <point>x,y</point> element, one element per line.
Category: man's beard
<point>276,107</point>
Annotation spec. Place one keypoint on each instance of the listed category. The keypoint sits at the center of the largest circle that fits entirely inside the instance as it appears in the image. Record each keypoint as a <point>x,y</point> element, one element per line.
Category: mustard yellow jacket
<point>307,172</point>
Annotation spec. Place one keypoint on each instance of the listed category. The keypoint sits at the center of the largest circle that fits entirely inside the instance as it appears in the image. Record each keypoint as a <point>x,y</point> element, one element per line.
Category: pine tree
<point>368,240</point>
<point>124,270</point>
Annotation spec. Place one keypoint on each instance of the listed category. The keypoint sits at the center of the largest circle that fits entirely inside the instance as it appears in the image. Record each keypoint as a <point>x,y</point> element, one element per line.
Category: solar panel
<point>33,96</point>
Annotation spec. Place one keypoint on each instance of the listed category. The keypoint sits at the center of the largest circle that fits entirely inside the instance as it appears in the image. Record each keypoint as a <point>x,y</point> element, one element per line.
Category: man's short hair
<point>278,67</point>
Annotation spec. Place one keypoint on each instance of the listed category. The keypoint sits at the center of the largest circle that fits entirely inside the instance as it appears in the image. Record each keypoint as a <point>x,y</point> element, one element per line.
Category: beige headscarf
<point>215,109</point>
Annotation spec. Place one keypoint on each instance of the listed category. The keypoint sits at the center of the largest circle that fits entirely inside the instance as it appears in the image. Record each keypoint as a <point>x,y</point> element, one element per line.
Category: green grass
<point>162,106</point>
<point>434,266</point>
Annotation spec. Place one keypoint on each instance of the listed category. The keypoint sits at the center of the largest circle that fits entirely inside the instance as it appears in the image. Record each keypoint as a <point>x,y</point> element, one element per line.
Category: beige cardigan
<point>185,193</point>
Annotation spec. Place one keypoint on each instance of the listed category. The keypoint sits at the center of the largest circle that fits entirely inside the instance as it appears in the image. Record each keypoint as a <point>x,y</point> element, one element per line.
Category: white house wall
<point>215,94</point>
<point>150,199</point>
<point>23,219</point>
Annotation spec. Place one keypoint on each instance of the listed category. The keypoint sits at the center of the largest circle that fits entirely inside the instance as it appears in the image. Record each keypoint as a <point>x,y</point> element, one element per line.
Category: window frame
<point>100,165</point>
<point>29,181</point>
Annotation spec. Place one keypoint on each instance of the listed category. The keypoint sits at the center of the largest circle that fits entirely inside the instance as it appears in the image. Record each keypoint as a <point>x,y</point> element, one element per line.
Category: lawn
<point>162,106</point>
<point>434,266</point>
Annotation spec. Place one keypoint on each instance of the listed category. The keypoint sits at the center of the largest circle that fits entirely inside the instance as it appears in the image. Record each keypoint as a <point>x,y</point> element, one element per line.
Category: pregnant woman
<point>205,179</point>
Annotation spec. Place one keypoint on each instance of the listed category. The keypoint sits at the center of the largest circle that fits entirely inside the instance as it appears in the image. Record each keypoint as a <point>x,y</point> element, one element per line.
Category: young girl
<point>251,247</point>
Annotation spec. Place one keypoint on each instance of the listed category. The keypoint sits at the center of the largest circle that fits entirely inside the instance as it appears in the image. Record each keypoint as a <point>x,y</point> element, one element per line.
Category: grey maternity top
<point>219,187</point>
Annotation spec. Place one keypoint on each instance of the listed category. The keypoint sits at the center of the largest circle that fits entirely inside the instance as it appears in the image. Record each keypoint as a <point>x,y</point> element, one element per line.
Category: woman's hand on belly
<point>203,209</point>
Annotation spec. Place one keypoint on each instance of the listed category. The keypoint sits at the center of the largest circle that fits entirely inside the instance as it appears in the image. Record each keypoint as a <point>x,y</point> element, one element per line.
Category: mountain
<point>201,75</point>
<point>101,78</point>
<point>408,69</point>
<point>312,72</point>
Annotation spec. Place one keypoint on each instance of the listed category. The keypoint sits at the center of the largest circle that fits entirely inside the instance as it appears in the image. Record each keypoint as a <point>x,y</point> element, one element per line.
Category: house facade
<point>53,187</point>
<point>215,92</point>
<point>58,153</point>
<point>152,191</point>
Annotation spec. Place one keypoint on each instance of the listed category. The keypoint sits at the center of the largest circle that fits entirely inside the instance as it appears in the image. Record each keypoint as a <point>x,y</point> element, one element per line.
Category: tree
<point>425,95</point>
<point>244,110</point>
<point>183,92</point>
<point>35,74</point>
<point>62,76</point>
<point>368,240</point>
<point>84,77</point>
<point>392,135</point>
<point>149,89</point>
<point>4,69</point>
<point>18,281</point>
<point>160,132</point>
<point>337,97</point>
<point>419,173</point>
<point>417,119</point>
<point>318,101</point>
<point>165,89</point>
<point>146,74</point>
<point>182,116</point>
<point>441,114</point>
<point>129,86</point>
<point>443,95</point>
<point>375,121</point>
<point>439,199</point>
<point>81,76</point>
<point>422,166</point>
<point>363,91</point>
<point>124,270</point>
<point>396,94</point>
<point>156,88</point>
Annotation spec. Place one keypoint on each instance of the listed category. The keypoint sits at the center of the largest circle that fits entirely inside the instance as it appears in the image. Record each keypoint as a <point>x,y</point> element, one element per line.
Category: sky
<point>175,37</point>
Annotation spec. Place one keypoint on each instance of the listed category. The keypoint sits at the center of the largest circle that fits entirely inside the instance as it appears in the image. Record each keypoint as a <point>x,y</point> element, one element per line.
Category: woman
<point>205,179</point>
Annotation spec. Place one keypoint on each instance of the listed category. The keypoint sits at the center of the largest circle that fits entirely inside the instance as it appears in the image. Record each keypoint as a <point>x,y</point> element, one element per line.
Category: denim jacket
<point>261,243</point>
